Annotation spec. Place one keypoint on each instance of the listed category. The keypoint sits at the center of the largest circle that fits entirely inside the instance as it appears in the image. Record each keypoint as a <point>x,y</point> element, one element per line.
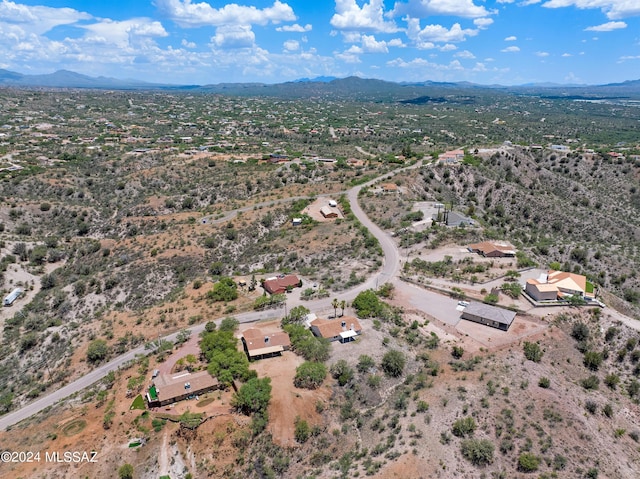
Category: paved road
<point>388,272</point>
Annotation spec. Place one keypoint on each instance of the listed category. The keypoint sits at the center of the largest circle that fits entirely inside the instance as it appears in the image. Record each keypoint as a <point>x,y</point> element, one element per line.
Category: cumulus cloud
<point>187,44</point>
<point>512,38</point>
<point>291,45</point>
<point>38,19</point>
<point>371,45</point>
<point>614,9</point>
<point>187,14</point>
<point>457,8</point>
<point>483,23</point>
<point>542,54</point>
<point>512,49</point>
<point>123,33</point>
<point>234,36</point>
<point>607,27</point>
<point>466,54</point>
<point>295,28</point>
<point>370,17</point>
<point>437,33</point>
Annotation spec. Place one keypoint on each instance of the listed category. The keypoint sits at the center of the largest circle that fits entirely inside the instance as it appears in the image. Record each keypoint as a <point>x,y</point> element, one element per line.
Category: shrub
<point>612,380</point>
<point>365,363</point>
<point>457,352</point>
<point>544,382</point>
<point>591,406</point>
<point>592,382</point>
<point>464,427</point>
<point>224,290</point>
<point>580,331</point>
<point>302,430</point>
<point>342,372</point>
<point>310,375</point>
<point>253,396</point>
<point>528,462</point>
<point>97,351</point>
<point>533,352</point>
<point>592,360</point>
<point>393,363</point>
<point>478,451</point>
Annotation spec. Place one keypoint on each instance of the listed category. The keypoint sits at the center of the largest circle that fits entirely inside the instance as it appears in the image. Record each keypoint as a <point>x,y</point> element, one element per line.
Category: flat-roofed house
<point>258,345</point>
<point>342,329</point>
<point>170,388</point>
<point>489,315</point>
<point>541,291</point>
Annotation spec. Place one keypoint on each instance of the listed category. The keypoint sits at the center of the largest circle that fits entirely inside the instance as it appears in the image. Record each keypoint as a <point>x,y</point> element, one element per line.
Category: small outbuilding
<point>11,297</point>
<point>327,212</point>
<point>488,315</point>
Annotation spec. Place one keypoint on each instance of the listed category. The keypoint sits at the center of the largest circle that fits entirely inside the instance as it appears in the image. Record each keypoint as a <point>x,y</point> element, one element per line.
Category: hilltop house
<point>490,249</point>
<point>167,389</point>
<point>451,157</point>
<point>558,285</point>
<point>342,329</point>
<point>281,284</point>
<point>258,345</point>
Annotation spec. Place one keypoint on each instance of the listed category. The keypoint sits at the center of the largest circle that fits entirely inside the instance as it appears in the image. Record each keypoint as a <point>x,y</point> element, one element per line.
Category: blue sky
<point>198,42</point>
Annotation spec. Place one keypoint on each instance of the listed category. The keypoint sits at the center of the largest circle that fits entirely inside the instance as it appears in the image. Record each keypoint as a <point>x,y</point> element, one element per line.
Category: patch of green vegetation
<point>138,403</point>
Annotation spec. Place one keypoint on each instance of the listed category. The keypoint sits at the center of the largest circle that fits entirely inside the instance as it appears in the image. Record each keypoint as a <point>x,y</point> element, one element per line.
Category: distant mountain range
<point>328,87</point>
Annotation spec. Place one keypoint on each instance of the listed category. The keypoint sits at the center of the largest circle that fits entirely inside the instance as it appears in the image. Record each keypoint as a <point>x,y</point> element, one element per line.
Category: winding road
<point>390,268</point>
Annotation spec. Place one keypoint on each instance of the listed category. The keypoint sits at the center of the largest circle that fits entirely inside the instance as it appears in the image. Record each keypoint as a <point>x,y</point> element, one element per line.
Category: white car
<point>464,304</point>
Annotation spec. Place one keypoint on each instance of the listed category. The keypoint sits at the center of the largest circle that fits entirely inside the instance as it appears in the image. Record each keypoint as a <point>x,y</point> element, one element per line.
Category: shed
<point>488,315</point>
<point>327,212</point>
<point>11,297</point>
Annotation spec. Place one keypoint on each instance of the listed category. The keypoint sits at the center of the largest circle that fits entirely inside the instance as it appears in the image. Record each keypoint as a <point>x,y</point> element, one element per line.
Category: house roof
<point>493,313</point>
<point>274,285</point>
<point>330,328</point>
<point>259,343</point>
<point>543,287</point>
<point>390,187</point>
<point>168,386</point>
<point>570,281</point>
<point>487,247</point>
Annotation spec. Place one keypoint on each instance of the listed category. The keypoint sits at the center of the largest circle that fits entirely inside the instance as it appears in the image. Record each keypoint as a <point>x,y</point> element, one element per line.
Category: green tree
<point>335,303</point>
<point>97,351</point>
<point>457,352</point>
<point>229,324</point>
<point>296,315</point>
<point>478,451</point>
<point>253,396</point>
<point>393,363</point>
<point>367,304</point>
<point>125,471</point>
<point>310,375</point>
<point>580,331</point>
<point>343,304</point>
<point>225,290</point>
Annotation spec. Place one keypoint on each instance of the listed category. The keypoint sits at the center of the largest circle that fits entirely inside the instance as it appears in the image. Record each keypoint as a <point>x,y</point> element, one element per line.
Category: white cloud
<point>371,45</point>
<point>448,48</point>
<point>566,55</point>
<point>630,57</point>
<point>396,42</point>
<point>466,54</point>
<point>424,8</point>
<point>437,33</point>
<point>234,36</point>
<point>512,38</point>
<point>512,49</point>
<point>123,33</point>
<point>606,27</point>
<point>291,45</point>
<point>614,9</point>
<point>483,23</point>
<point>187,14</point>
<point>187,44</point>
<point>542,54</point>
<point>38,19</point>
<point>350,17</point>
<point>295,28</point>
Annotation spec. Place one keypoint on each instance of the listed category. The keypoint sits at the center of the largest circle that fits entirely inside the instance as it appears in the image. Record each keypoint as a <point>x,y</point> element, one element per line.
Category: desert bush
<point>393,363</point>
<point>310,375</point>
<point>478,451</point>
<point>533,352</point>
<point>528,462</point>
<point>464,427</point>
<point>544,382</point>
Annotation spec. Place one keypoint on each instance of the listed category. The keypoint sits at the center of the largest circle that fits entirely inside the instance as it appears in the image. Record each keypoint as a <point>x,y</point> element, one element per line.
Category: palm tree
<point>343,304</point>
<point>335,305</point>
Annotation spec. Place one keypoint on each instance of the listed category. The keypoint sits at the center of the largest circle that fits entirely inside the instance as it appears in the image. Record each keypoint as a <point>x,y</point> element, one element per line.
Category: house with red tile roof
<point>342,329</point>
<point>258,344</point>
<point>280,284</point>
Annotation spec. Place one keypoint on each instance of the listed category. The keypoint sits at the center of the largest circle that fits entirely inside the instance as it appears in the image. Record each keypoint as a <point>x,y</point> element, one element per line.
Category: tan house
<point>451,157</point>
<point>167,388</point>
<point>327,212</point>
<point>558,284</point>
<point>258,345</point>
<point>342,329</point>
<point>389,188</point>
